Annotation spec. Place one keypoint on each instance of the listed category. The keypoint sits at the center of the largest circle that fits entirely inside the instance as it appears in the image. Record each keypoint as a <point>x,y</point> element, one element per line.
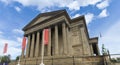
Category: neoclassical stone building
<point>69,41</point>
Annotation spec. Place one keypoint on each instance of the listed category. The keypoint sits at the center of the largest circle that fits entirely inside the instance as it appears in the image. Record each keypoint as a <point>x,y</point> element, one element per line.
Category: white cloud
<point>74,5</point>
<point>38,3</point>
<point>13,49</point>
<point>70,4</point>
<point>111,38</point>
<point>103,4</point>
<point>103,14</point>
<point>18,9</point>
<point>76,15</point>
<point>18,31</point>
<point>88,2</point>
<point>19,39</point>
<point>89,17</point>
<point>14,45</point>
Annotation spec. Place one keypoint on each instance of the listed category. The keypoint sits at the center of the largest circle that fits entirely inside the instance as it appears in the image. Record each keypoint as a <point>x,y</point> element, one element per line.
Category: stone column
<point>49,44</point>
<point>98,49</point>
<point>64,38</point>
<point>56,40</point>
<point>68,41</point>
<point>32,45</point>
<point>28,47</point>
<point>37,44</point>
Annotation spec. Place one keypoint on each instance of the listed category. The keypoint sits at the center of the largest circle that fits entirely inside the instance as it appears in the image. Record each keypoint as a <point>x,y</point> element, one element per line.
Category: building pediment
<point>42,17</point>
<point>39,20</point>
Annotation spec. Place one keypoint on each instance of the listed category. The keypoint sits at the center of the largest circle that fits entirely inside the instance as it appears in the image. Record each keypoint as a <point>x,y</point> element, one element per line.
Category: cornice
<point>93,40</point>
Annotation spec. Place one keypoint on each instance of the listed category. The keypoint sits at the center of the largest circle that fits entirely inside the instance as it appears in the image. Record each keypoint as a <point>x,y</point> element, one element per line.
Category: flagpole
<point>3,56</point>
<point>42,52</point>
<point>100,38</point>
<point>19,59</point>
<point>0,60</point>
<point>5,51</point>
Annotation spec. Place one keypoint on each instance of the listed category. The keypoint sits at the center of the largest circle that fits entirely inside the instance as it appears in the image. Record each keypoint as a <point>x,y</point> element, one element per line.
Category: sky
<point>102,18</point>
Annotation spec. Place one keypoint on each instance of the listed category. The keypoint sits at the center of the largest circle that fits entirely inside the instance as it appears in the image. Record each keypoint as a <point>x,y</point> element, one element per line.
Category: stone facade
<point>69,42</point>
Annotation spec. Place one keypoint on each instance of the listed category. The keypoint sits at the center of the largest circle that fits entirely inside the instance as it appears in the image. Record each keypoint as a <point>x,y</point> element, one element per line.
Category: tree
<point>113,60</point>
<point>5,59</point>
<point>0,58</point>
<point>17,58</point>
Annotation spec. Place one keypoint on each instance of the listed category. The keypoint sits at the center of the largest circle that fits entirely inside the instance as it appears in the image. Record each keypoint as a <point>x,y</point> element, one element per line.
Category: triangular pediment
<point>40,20</point>
<point>41,17</point>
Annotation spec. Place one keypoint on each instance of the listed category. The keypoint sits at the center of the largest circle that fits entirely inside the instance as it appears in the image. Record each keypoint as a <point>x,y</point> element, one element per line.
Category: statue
<point>104,50</point>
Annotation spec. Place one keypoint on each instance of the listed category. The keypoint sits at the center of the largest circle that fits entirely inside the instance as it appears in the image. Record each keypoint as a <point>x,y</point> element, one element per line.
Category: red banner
<point>5,48</point>
<point>24,43</point>
<point>46,36</point>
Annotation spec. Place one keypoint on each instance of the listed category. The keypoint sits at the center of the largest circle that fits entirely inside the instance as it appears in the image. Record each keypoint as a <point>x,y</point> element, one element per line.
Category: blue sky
<point>102,17</point>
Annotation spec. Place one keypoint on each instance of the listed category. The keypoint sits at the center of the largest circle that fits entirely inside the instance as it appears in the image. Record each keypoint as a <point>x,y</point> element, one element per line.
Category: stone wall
<point>63,60</point>
<point>116,63</point>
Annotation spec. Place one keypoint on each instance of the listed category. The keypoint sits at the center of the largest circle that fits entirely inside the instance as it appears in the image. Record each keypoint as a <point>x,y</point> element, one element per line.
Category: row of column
<point>31,51</point>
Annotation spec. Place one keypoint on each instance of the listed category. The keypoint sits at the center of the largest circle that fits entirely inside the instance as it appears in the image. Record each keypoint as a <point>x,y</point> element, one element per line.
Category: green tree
<point>5,59</point>
<point>0,58</point>
<point>113,60</point>
<point>118,58</point>
<point>17,58</point>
